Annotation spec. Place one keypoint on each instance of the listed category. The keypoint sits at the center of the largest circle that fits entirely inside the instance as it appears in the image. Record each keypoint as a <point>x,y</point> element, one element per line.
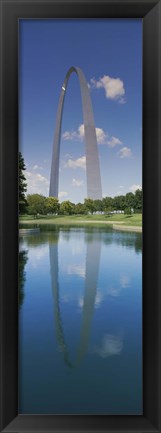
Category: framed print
<point>80,303</point>
<point>82,210</point>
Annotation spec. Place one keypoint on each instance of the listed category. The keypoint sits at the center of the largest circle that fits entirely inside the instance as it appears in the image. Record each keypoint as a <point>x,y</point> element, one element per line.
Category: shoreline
<point>127,228</point>
<point>114,224</point>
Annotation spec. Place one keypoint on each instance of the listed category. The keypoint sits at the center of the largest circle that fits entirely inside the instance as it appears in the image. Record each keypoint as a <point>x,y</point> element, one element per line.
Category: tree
<point>138,201</point>
<point>67,208</point>
<point>127,211</point>
<point>89,205</point>
<point>52,205</point>
<point>36,204</point>
<point>107,204</point>
<point>119,202</point>
<point>130,200</point>
<point>22,185</point>
<point>98,205</point>
<point>79,209</point>
<point>108,210</point>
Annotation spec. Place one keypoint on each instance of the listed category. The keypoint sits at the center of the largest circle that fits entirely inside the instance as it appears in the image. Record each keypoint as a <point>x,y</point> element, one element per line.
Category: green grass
<point>127,220</point>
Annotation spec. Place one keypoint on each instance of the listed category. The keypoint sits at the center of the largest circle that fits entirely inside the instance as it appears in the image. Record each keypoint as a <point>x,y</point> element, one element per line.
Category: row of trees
<point>35,204</point>
<point>22,185</point>
<point>39,204</point>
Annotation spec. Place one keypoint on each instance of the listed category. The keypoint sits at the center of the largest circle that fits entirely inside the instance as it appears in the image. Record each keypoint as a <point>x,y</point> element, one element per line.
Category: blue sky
<point>109,52</point>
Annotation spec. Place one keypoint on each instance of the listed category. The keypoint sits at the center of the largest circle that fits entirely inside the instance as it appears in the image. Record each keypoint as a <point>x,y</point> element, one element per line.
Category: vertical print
<point>80,216</point>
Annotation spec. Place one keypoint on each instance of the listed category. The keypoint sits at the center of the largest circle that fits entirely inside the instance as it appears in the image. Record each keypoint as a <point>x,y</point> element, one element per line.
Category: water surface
<point>80,325</point>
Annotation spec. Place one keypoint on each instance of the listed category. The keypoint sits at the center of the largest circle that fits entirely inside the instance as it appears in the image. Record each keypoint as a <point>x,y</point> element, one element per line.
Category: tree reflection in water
<point>23,257</point>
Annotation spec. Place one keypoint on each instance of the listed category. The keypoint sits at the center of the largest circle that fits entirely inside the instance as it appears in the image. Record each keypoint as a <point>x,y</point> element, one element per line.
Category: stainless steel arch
<point>91,280</point>
<point>94,189</point>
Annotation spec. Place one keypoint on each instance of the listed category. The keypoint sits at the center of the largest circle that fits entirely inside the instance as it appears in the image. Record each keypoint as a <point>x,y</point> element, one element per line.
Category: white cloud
<point>113,291</point>
<point>76,163</point>
<point>80,131</point>
<point>98,300</point>
<point>114,141</point>
<point>134,187</point>
<point>80,302</point>
<point>62,194</point>
<point>110,345</point>
<point>125,152</point>
<point>114,87</point>
<point>37,257</point>
<point>102,137</point>
<point>100,134</point>
<point>67,155</point>
<point>42,179</point>
<point>77,182</point>
<point>70,135</point>
<point>28,174</point>
<point>77,249</point>
<point>36,183</point>
<point>79,135</point>
<point>37,167</point>
<point>125,281</point>
<point>122,101</point>
<point>77,269</point>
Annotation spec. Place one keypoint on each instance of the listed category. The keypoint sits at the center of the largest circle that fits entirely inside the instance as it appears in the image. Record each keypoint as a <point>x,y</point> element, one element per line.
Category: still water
<point>80,322</point>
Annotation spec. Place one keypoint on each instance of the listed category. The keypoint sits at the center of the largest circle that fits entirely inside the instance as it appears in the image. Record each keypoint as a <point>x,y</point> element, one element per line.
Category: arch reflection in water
<point>91,277</point>
<point>98,323</point>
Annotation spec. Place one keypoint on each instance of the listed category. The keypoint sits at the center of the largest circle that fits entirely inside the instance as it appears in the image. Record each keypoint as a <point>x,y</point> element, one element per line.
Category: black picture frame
<point>150,12</point>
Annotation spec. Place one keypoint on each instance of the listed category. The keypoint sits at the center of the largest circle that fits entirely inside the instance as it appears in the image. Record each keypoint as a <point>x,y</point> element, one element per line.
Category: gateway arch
<point>91,279</point>
<point>94,189</point>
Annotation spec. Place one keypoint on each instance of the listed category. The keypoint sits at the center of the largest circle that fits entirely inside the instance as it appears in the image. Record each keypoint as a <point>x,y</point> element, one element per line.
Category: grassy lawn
<point>127,220</point>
